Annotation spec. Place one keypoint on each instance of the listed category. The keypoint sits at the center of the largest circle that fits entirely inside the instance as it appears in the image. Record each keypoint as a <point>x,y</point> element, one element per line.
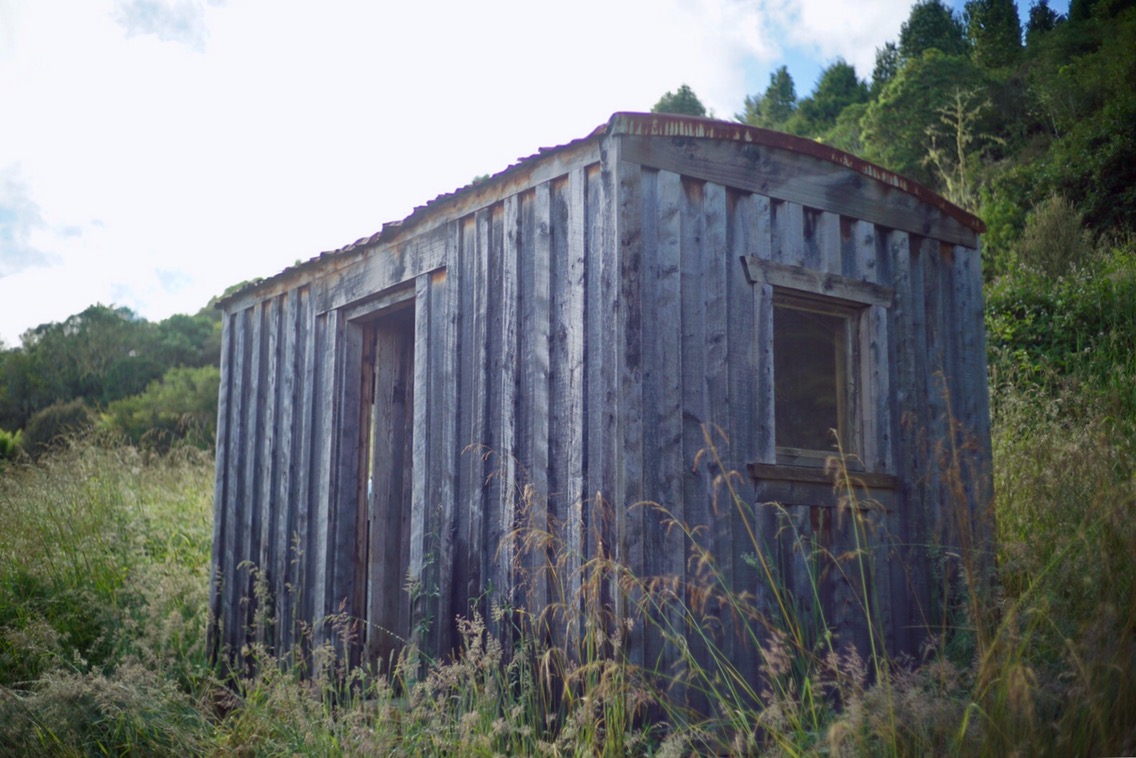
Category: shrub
<point>1055,240</point>
<point>9,445</point>
<point>181,406</point>
<point>49,427</point>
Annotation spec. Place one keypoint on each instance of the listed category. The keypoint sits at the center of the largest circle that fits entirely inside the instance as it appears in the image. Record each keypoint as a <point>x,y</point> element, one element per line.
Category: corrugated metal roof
<point>647,124</point>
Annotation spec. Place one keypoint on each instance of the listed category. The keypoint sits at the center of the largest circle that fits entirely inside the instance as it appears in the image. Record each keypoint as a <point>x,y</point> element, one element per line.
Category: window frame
<point>854,300</point>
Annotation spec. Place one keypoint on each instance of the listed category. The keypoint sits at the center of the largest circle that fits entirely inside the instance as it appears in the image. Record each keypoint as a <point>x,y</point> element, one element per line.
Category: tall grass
<point>104,558</point>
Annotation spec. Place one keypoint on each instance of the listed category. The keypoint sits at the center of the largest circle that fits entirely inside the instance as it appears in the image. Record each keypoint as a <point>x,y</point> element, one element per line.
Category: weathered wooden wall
<point>576,333</point>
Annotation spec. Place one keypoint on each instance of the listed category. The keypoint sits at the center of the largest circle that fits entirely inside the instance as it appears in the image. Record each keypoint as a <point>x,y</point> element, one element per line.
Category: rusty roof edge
<point>669,125</point>
<point>639,124</point>
<point>390,228</point>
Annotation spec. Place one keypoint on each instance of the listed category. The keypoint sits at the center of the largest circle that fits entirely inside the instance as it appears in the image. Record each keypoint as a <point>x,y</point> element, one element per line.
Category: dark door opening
<point>386,444</point>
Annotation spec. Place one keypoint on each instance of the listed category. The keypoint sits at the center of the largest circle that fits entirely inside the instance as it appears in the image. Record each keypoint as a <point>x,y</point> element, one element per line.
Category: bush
<point>181,406</point>
<point>47,428</point>
<point>9,445</point>
<point>1055,240</point>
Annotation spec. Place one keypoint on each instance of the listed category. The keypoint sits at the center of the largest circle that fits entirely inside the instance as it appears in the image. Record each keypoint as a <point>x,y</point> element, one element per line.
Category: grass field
<point>104,556</point>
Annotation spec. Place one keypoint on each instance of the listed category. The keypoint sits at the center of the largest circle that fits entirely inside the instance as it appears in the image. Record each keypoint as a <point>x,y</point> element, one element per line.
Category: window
<point>813,374</point>
<point>828,343</point>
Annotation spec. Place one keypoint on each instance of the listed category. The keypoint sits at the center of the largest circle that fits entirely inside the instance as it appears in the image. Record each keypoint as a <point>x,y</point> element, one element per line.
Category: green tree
<point>683,102</point>
<point>776,106</point>
<point>837,88</point>
<point>957,148</point>
<point>887,66</point>
<point>931,25</point>
<point>995,32</point>
<point>180,406</point>
<point>1042,20</point>
<point>897,127</point>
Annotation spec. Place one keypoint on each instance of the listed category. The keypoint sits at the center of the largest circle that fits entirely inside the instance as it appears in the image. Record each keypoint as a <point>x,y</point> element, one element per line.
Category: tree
<point>773,109</point>
<point>1042,20</point>
<point>957,147</point>
<point>931,25</point>
<point>837,88</point>
<point>995,32</point>
<point>683,102</point>
<point>897,126</point>
<point>181,406</point>
<point>887,66</point>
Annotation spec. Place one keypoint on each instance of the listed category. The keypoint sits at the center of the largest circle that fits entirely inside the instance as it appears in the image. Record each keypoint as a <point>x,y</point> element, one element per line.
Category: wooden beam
<point>815,282</point>
<point>793,177</point>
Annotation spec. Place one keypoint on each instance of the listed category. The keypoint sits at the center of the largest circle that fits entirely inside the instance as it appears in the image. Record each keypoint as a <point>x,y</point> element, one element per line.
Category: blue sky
<point>154,152</point>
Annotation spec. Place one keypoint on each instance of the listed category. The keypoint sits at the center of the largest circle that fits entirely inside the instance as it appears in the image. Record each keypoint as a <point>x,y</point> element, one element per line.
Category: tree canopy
<point>931,25</point>
<point>683,102</point>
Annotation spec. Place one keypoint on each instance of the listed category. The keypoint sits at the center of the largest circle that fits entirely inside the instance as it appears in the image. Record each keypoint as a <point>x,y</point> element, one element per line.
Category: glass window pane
<point>808,381</point>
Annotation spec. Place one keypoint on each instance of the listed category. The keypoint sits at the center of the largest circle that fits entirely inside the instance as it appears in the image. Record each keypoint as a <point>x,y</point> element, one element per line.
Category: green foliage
<point>957,148</point>
<point>181,406</point>
<point>50,427</point>
<point>1042,20</point>
<point>931,25</point>
<point>837,89</point>
<point>683,102</point>
<point>1081,81</point>
<point>886,67</point>
<point>10,446</point>
<point>100,355</point>
<point>1079,327</point>
<point>897,128</point>
<point>995,32</point>
<point>774,108</point>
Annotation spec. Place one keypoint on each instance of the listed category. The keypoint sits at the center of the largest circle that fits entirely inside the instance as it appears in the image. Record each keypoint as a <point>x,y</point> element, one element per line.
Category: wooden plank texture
<point>796,178</point>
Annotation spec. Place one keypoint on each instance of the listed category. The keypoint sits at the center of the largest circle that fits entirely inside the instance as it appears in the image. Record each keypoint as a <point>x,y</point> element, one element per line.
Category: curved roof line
<point>651,125</point>
<point>670,125</point>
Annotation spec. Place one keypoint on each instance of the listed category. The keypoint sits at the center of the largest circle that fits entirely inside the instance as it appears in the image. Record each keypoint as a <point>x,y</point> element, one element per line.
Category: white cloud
<point>169,20</point>
<point>226,141</point>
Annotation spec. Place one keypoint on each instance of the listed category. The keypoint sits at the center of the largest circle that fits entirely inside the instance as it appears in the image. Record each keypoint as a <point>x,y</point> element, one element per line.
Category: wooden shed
<point>556,345</point>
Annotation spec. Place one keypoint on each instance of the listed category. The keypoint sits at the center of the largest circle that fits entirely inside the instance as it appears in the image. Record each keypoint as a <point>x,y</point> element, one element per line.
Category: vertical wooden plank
<point>421,469</point>
<point>250,484</point>
<point>345,547</point>
<point>302,552</point>
<point>506,244</point>
<point>572,322</point>
<point>533,415</point>
<point>323,438</point>
<point>234,481</point>
<point>566,415</point>
<point>283,483</point>
<point>741,413</point>
<point>694,403</point>
<point>267,471</point>
<point>475,243</point>
<point>629,511</point>
<point>603,424</point>
<point>670,466</point>
<point>909,600</point>
<point>442,404</point>
<point>788,229</point>
<point>866,247</point>
<point>221,484</point>
<point>826,238</point>
<point>719,265</point>
<point>653,538</point>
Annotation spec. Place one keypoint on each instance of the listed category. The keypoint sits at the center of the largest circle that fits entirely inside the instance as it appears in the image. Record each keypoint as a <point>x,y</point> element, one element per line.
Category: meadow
<point>105,580</point>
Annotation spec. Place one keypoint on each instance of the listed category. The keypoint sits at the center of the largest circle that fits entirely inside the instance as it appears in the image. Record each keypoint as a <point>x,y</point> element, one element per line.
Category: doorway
<point>384,492</point>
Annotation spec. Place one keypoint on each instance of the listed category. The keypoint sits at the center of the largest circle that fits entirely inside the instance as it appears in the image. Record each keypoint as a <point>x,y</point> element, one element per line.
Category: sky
<point>155,152</point>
